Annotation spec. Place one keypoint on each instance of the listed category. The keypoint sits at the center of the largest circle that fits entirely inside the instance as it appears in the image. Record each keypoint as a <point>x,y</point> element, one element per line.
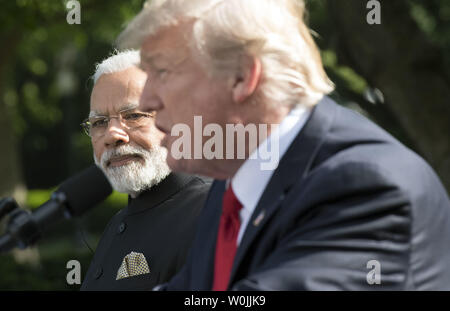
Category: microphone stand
<point>7,206</point>
<point>75,196</point>
<point>24,228</point>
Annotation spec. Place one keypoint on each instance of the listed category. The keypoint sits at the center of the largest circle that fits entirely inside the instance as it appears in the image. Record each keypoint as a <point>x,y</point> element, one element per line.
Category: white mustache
<point>125,150</point>
<point>136,176</point>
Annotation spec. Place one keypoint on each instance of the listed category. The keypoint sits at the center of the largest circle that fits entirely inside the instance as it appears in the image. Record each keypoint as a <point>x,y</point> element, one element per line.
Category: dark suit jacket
<point>160,223</point>
<point>345,193</point>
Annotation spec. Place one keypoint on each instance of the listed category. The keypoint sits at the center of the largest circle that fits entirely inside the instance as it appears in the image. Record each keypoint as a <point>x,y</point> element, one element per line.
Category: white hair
<point>117,62</point>
<point>225,32</point>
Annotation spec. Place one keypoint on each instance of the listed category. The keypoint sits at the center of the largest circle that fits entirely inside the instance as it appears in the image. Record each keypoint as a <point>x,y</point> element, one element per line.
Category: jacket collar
<point>158,193</point>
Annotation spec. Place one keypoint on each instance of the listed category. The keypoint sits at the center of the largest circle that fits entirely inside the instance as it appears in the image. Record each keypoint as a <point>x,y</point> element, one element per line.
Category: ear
<point>247,81</point>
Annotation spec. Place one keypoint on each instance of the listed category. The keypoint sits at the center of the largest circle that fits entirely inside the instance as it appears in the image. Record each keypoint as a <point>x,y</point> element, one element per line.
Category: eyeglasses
<point>95,127</point>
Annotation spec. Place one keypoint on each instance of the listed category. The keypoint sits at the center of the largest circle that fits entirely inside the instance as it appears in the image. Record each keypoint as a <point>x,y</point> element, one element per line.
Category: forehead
<point>168,44</point>
<point>117,91</point>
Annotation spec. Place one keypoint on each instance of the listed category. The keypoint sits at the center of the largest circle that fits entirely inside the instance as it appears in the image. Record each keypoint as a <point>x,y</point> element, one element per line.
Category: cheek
<point>158,135</point>
<point>98,149</point>
<point>181,94</point>
<point>147,138</point>
<point>211,106</point>
<point>191,94</point>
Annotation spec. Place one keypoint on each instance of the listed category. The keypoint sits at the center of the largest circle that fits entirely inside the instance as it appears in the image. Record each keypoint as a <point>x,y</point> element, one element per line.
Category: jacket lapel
<point>203,272</point>
<point>292,168</point>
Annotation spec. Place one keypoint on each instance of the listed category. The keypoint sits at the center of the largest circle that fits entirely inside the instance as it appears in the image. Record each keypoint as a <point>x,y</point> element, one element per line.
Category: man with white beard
<point>146,243</point>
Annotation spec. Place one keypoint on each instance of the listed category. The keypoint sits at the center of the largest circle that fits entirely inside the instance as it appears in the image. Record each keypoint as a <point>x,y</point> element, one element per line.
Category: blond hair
<point>226,31</point>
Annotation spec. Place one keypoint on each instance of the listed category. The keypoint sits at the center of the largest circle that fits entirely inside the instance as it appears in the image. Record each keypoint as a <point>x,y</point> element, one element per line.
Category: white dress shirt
<point>250,180</point>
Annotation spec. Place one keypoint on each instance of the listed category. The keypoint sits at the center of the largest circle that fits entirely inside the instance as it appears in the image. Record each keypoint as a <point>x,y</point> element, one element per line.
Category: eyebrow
<point>151,59</point>
<point>129,106</point>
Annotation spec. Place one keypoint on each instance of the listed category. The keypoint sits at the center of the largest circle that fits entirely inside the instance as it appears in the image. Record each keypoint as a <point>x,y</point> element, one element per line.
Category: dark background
<point>396,73</point>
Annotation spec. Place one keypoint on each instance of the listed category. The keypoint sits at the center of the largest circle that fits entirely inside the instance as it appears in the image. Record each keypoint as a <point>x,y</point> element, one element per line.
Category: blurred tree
<point>407,57</point>
<point>45,67</point>
<point>10,168</point>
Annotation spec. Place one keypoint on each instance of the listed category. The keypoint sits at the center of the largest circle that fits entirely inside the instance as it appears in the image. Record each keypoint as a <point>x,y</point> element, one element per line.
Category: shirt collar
<point>250,180</point>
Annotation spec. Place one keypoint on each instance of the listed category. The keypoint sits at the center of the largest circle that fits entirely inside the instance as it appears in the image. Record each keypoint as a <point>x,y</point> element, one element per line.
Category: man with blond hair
<point>346,206</point>
<point>147,241</point>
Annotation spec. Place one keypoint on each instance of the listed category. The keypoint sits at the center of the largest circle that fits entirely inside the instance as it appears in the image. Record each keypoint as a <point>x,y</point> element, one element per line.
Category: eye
<point>162,73</point>
<point>96,123</point>
<point>133,116</point>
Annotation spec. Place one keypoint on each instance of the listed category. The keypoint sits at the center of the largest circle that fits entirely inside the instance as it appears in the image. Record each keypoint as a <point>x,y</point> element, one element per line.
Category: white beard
<point>135,177</point>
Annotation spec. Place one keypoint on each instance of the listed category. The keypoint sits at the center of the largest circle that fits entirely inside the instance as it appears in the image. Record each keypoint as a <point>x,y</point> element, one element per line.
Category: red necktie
<point>226,245</point>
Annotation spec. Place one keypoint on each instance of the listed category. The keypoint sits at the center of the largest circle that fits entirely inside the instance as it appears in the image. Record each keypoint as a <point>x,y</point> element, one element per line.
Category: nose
<point>149,100</point>
<point>115,134</point>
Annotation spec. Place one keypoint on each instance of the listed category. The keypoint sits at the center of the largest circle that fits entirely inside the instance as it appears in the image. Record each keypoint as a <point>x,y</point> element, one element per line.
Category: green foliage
<point>37,197</point>
<point>44,79</point>
<point>433,18</point>
<point>352,80</point>
<point>50,274</point>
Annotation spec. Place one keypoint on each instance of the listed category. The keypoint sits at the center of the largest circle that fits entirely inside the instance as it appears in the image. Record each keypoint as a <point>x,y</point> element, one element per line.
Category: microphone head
<point>85,190</point>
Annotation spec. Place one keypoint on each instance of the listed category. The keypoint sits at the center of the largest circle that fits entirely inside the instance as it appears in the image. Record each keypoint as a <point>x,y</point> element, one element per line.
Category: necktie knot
<point>230,203</point>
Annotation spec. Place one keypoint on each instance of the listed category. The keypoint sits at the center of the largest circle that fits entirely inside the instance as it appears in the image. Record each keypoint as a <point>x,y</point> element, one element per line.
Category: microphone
<point>75,196</point>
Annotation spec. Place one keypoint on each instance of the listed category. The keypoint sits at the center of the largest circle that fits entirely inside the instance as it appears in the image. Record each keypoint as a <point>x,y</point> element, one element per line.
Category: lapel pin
<point>258,219</point>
